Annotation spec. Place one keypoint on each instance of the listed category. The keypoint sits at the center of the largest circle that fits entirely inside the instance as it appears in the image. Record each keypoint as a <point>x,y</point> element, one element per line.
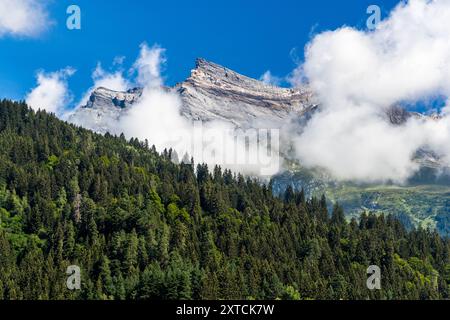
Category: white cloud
<point>358,74</point>
<point>119,60</point>
<point>148,66</point>
<point>52,92</point>
<point>24,18</point>
<point>270,79</point>
<point>157,115</point>
<point>114,81</point>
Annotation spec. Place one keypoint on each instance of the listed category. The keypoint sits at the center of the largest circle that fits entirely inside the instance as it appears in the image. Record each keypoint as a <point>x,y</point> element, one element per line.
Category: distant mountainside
<point>425,205</point>
<point>214,92</point>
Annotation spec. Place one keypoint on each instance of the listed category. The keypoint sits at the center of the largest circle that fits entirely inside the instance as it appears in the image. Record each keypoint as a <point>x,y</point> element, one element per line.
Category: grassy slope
<point>422,204</point>
<point>426,206</point>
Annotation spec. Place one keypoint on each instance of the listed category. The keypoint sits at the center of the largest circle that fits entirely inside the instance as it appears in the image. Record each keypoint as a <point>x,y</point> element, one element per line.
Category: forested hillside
<point>142,227</point>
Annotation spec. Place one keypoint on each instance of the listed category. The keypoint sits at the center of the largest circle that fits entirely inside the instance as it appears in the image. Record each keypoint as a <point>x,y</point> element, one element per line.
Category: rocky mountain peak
<point>210,73</point>
<point>206,71</point>
<point>212,92</point>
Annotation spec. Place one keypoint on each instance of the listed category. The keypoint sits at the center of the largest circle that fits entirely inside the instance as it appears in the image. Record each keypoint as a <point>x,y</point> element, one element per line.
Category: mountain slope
<point>416,205</point>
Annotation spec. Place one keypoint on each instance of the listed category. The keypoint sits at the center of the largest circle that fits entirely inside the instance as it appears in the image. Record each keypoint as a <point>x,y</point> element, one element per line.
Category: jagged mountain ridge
<point>212,92</point>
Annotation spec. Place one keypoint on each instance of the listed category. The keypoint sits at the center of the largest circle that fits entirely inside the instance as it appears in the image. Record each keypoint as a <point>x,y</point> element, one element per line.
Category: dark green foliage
<point>142,227</point>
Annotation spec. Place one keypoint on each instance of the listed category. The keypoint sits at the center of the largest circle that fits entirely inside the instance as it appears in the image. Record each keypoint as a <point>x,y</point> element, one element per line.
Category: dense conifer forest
<point>141,226</point>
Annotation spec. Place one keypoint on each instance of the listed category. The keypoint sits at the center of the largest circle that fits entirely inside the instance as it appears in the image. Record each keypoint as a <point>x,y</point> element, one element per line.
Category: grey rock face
<point>103,98</point>
<point>213,92</point>
<point>398,115</point>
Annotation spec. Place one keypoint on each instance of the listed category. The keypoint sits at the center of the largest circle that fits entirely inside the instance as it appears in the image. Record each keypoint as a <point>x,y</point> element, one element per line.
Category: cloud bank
<point>23,18</point>
<point>358,74</point>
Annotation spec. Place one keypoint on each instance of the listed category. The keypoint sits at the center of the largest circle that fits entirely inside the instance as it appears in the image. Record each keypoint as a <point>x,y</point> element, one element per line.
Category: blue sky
<point>247,36</point>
